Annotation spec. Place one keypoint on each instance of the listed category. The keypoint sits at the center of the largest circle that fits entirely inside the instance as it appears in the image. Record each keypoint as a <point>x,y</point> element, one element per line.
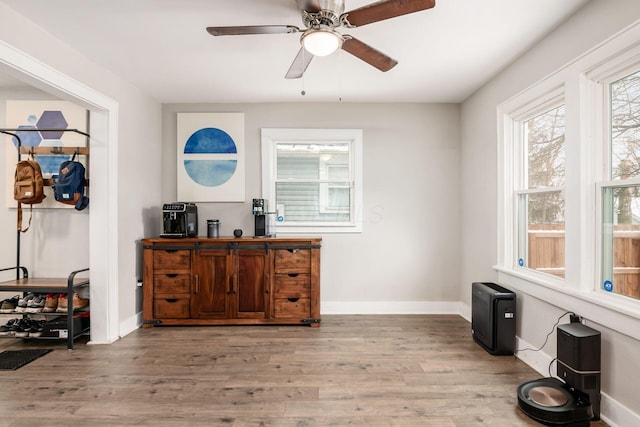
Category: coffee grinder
<point>261,218</point>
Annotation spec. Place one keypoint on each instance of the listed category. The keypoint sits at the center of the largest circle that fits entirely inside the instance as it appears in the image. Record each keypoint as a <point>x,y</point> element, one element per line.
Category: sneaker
<point>35,328</point>
<point>51,303</point>
<point>78,303</point>
<point>62,304</point>
<point>7,328</point>
<point>36,305</point>
<point>9,305</point>
<point>23,302</point>
<point>21,328</point>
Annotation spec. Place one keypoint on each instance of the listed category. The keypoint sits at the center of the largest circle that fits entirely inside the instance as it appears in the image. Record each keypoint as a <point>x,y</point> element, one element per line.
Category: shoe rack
<point>74,282</point>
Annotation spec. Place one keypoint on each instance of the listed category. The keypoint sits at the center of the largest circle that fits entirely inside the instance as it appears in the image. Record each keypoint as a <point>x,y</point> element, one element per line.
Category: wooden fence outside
<point>547,254</point>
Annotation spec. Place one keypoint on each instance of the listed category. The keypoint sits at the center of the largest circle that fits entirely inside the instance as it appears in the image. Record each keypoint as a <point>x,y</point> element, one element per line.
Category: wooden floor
<point>353,370</point>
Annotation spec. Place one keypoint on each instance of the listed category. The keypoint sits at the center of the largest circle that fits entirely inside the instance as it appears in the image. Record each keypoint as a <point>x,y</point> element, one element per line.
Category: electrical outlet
<point>575,318</point>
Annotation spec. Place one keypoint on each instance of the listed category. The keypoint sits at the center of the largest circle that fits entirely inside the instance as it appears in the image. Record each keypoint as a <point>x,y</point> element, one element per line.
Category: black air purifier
<point>493,317</point>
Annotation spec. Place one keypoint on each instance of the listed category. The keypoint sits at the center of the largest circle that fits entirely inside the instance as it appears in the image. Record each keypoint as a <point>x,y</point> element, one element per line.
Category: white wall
<point>135,151</point>
<point>56,221</point>
<point>407,257</point>
<point>594,23</point>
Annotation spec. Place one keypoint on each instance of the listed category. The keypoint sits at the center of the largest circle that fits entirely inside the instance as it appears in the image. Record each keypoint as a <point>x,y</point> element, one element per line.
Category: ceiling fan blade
<point>312,6</point>
<point>299,65</point>
<point>382,10</point>
<point>368,54</point>
<point>252,29</point>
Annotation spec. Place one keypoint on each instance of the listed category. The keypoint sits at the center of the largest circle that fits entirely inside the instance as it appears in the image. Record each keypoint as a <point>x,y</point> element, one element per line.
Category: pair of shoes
<point>78,303</point>
<point>36,304</point>
<point>26,327</point>
<point>51,303</point>
<point>35,327</point>
<point>9,305</point>
<point>23,302</point>
<point>7,328</point>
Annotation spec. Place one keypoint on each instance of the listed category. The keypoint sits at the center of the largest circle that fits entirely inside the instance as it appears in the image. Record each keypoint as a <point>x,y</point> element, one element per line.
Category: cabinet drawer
<point>170,259</point>
<point>292,307</point>
<point>171,283</point>
<point>171,308</point>
<point>293,260</point>
<point>292,285</point>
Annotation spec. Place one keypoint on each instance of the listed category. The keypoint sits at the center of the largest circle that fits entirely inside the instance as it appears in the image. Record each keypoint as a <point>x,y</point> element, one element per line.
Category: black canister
<point>213,227</point>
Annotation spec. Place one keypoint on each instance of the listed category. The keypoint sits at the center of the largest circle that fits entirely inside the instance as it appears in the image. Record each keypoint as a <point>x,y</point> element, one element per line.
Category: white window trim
<point>578,292</point>
<point>271,136</point>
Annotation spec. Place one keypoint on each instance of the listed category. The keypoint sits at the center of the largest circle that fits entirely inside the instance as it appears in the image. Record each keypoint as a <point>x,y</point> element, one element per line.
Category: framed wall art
<point>210,154</point>
<point>40,115</point>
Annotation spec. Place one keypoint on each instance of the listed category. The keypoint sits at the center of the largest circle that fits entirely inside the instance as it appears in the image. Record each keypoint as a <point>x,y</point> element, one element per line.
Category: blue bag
<point>69,187</point>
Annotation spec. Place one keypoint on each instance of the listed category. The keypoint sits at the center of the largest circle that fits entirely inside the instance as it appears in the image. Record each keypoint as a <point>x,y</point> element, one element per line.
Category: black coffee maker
<point>179,219</point>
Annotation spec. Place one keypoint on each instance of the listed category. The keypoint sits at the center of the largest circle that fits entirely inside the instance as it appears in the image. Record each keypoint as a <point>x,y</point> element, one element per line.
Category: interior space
<point>263,235</point>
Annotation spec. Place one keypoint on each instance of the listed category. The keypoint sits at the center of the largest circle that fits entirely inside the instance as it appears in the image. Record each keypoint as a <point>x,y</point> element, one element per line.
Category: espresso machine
<point>262,219</point>
<point>179,220</point>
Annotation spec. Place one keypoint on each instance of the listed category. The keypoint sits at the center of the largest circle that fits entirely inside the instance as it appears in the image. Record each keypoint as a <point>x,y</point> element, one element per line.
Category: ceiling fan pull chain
<point>303,92</point>
<point>339,76</point>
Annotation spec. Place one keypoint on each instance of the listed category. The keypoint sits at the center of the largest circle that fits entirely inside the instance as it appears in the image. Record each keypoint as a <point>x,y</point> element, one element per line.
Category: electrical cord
<point>548,335</point>
<point>551,364</point>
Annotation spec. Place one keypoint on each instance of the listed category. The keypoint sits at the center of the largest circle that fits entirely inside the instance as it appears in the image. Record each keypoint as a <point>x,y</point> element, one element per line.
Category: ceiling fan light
<point>321,42</point>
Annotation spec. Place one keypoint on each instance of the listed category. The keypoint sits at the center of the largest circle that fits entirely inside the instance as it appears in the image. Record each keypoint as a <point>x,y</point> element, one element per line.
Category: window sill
<point>317,229</point>
<point>615,312</point>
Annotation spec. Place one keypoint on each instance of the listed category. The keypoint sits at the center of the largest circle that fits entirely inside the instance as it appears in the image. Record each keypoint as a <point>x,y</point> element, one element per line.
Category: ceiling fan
<point>320,38</point>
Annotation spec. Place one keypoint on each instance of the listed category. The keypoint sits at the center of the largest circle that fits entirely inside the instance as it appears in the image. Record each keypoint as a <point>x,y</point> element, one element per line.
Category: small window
<point>312,178</point>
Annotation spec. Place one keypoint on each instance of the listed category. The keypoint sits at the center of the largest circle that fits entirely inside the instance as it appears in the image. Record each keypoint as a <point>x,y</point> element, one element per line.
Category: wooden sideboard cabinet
<point>231,281</point>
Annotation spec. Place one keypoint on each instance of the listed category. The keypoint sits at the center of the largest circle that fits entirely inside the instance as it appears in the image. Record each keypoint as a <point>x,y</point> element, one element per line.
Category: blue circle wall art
<point>211,157</point>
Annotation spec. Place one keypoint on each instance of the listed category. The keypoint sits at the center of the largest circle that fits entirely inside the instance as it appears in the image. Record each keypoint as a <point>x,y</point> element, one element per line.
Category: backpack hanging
<point>69,187</point>
<point>28,188</point>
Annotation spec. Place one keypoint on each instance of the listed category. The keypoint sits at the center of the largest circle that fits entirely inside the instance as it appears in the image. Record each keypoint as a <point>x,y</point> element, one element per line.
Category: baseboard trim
<point>615,414</point>
<point>384,307</point>
<point>130,325</point>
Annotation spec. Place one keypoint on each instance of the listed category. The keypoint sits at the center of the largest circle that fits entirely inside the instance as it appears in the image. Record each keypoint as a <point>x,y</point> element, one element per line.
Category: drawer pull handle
<point>293,299</point>
<point>197,284</point>
<point>293,251</point>
<point>293,274</point>
<point>171,300</point>
<point>172,275</point>
<point>171,251</point>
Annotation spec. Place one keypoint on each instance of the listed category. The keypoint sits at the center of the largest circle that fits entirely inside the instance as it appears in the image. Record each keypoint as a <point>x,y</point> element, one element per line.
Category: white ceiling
<point>161,46</point>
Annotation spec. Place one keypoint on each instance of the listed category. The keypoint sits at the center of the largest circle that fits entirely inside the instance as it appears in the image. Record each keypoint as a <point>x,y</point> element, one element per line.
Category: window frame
<point>529,111</point>
<point>600,79</point>
<point>354,137</point>
<point>586,141</point>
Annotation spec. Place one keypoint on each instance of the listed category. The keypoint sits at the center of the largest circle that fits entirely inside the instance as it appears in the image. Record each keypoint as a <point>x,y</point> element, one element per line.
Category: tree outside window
<point>541,206</point>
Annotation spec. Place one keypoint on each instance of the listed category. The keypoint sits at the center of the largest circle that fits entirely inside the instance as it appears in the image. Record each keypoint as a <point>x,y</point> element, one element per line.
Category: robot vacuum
<point>552,402</point>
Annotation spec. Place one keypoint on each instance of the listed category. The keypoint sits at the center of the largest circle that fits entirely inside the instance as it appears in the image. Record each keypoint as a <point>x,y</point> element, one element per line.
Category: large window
<point>569,182</point>
<point>539,196</point>
<point>621,194</point>
<point>312,178</point>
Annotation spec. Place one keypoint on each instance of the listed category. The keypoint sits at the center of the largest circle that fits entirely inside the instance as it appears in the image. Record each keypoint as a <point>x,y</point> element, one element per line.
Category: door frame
<point>103,217</point>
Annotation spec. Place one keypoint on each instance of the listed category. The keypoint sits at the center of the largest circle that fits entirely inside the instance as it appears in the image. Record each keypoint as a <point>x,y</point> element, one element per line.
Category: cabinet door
<point>212,288</point>
<point>250,286</point>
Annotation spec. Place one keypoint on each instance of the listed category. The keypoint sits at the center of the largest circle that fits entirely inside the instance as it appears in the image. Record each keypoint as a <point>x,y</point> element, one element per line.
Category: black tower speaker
<point>578,362</point>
